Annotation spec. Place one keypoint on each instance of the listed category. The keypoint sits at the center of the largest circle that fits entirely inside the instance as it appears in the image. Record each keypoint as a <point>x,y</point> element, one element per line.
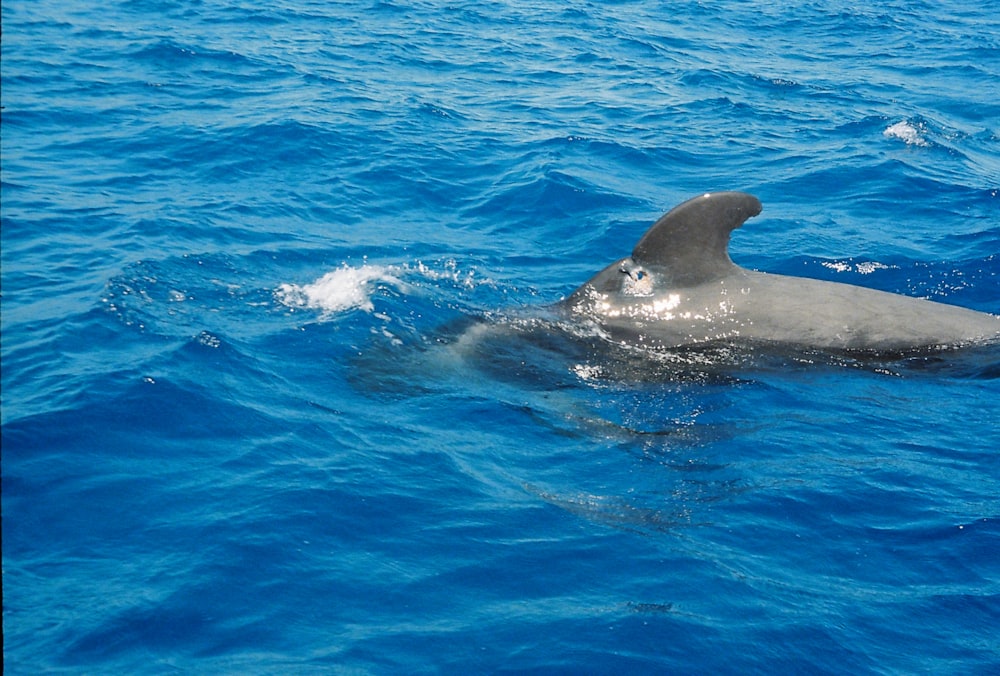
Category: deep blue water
<point>237,239</point>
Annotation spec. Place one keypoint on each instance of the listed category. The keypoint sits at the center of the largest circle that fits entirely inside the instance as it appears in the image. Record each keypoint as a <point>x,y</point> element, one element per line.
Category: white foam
<point>907,132</point>
<point>864,267</point>
<point>343,289</point>
<point>352,288</point>
<point>588,371</point>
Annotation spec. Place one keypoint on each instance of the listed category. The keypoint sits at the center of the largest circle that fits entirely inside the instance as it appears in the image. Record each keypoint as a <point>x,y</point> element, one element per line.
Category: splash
<point>863,267</point>
<point>343,289</point>
<point>352,288</point>
<point>911,134</point>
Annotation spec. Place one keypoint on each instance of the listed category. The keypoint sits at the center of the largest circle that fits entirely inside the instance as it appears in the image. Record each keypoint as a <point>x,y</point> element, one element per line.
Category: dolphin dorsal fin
<point>690,242</point>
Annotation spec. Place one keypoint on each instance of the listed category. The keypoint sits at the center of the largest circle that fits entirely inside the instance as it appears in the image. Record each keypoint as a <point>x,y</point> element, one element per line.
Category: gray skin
<point>679,287</point>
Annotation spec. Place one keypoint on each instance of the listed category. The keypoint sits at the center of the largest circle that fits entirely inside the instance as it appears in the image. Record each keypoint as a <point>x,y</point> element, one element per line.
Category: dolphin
<point>680,288</point>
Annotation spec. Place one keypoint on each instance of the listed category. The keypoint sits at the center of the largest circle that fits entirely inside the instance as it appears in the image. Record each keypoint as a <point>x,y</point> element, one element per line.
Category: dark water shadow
<point>640,440</point>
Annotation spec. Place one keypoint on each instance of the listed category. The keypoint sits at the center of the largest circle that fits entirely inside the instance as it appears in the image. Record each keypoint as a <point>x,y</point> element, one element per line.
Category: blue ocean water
<point>236,242</point>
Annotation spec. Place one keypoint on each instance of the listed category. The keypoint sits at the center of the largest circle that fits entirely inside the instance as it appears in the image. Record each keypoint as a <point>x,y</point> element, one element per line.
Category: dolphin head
<point>686,247</point>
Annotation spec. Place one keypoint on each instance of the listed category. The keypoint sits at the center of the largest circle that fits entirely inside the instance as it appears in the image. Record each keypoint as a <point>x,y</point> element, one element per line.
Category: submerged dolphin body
<point>679,287</point>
